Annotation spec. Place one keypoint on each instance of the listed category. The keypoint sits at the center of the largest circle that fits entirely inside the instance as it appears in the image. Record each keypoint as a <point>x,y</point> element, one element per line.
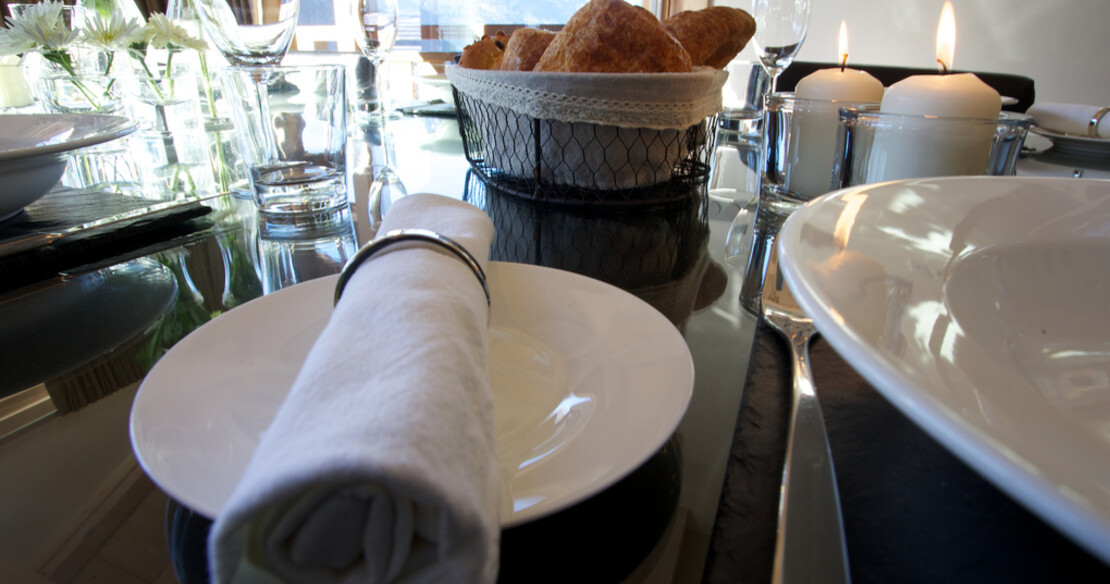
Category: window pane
<point>317,12</point>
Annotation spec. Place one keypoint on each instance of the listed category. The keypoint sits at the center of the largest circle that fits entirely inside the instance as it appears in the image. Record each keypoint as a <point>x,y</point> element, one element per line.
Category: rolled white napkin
<point>1069,118</point>
<point>380,466</point>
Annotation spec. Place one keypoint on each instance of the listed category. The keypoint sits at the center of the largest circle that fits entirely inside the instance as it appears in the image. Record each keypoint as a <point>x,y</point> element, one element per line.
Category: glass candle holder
<point>799,145</point>
<point>876,147</point>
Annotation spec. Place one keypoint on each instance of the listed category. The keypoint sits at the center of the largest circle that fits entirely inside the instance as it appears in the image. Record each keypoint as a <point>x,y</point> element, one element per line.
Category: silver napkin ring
<point>1092,127</point>
<point>402,235</point>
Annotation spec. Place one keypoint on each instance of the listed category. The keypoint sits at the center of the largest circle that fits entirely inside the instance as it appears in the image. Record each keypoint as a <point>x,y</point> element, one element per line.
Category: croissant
<point>485,53</point>
<point>613,36</point>
<point>524,49</point>
<point>712,36</point>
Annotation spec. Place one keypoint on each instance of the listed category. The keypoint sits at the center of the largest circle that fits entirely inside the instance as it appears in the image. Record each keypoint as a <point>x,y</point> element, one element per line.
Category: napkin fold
<point>380,466</point>
<point>1069,118</point>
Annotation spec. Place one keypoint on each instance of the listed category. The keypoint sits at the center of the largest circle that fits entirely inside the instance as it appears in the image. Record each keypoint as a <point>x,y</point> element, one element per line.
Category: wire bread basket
<point>584,138</point>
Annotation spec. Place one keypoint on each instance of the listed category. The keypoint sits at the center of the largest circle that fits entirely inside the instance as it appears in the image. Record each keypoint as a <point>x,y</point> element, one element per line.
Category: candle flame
<point>843,45</point>
<point>946,37</point>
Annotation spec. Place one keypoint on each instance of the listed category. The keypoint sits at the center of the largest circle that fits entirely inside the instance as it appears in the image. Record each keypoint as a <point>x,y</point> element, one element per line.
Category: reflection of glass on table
<point>299,248</point>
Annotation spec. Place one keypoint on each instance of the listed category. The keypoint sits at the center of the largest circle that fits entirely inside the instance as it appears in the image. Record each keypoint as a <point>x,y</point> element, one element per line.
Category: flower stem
<point>152,79</point>
<point>62,59</point>
<point>208,93</point>
<point>169,71</point>
<point>108,73</point>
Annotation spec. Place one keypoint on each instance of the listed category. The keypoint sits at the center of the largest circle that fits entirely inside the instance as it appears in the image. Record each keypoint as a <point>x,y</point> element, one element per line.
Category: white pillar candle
<point>815,121</point>
<point>958,95</point>
<point>850,85</point>
<point>949,126</point>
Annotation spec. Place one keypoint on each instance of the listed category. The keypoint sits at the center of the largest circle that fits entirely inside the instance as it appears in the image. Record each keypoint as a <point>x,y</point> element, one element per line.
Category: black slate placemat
<point>74,213</point>
<point>913,512</point>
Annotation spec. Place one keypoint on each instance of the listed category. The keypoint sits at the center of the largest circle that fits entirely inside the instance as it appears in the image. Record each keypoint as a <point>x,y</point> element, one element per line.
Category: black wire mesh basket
<point>567,160</point>
<point>657,252</point>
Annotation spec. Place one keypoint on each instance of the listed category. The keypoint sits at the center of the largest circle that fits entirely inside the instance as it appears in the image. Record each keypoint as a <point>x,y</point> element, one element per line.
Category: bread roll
<point>613,36</point>
<point>712,36</point>
<point>485,53</point>
<point>524,49</point>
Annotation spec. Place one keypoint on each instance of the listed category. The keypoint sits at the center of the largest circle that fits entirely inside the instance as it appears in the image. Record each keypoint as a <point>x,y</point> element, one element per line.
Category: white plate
<point>981,308</point>
<point>588,381</point>
<point>1083,146</point>
<point>32,148</point>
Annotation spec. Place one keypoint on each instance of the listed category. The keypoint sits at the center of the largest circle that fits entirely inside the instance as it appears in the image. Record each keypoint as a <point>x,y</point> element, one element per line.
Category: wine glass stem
<point>263,92</point>
<point>379,87</point>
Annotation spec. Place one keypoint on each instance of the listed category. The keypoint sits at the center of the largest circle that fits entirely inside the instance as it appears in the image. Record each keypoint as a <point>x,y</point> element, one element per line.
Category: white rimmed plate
<point>981,308</point>
<point>1083,146</point>
<point>32,149</point>
<point>588,381</point>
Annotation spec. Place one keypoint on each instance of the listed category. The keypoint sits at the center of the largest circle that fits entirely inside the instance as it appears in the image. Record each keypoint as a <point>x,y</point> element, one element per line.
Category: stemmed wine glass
<point>375,34</point>
<point>780,29</point>
<point>250,33</point>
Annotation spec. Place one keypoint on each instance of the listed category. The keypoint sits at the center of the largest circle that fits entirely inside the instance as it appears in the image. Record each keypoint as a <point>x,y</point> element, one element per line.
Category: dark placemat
<point>912,511</point>
<point>602,539</point>
<point>76,213</point>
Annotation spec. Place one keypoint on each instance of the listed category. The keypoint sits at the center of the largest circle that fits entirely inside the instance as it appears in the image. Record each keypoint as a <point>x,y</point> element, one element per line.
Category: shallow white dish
<point>588,382</point>
<point>1083,146</point>
<point>33,149</point>
<point>980,307</point>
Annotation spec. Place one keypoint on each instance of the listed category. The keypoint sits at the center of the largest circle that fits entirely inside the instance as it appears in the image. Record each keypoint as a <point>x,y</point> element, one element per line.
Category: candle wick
<point>943,67</point>
<point>843,62</point>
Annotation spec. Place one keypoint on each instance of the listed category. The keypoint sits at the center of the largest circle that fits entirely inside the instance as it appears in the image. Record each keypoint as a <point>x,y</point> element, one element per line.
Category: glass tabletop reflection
<point>97,330</point>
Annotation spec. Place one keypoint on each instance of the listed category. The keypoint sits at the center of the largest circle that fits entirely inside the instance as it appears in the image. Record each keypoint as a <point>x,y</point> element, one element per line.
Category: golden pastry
<point>524,49</point>
<point>712,36</point>
<point>613,36</point>
<point>485,53</point>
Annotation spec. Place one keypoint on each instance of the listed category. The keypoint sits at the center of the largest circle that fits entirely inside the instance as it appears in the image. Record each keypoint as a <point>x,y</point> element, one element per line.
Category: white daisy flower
<point>162,33</point>
<point>40,27</point>
<point>112,34</point>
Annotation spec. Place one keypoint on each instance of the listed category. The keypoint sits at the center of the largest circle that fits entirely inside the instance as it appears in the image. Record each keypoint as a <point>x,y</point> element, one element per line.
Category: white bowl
<point>34,147</point>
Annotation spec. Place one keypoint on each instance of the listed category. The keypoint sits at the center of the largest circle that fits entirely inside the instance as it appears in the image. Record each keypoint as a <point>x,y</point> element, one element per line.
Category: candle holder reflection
<point>874,146</point>
<point>749,243</point>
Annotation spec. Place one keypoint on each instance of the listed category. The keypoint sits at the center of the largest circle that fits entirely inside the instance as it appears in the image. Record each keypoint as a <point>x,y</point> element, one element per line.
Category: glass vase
<point>80,93</point>
<point>89,85</point>
<point>165,100</point>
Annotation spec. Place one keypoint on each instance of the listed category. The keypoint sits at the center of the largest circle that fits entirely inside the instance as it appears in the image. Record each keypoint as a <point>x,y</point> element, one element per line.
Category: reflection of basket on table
<point>588,137</point>
<point>657,252</point>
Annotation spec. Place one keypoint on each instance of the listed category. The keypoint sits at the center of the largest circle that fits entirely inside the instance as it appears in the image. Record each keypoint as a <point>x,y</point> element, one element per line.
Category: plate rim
<point>529,513</point>
<point>1086,526</point>
<point>1074,139</point>
<point>120,126</point>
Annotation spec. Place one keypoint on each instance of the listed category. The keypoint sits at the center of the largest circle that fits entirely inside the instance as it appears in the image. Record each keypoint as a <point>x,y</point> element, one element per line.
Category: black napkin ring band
<point>402,235</point>
<point>1092,128</point>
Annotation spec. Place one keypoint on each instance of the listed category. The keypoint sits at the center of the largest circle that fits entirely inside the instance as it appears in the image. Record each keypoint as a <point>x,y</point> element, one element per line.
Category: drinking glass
<point>292,128</point>
<point>250,33</point>
<point>780,29</point>
<point>375,34</point>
